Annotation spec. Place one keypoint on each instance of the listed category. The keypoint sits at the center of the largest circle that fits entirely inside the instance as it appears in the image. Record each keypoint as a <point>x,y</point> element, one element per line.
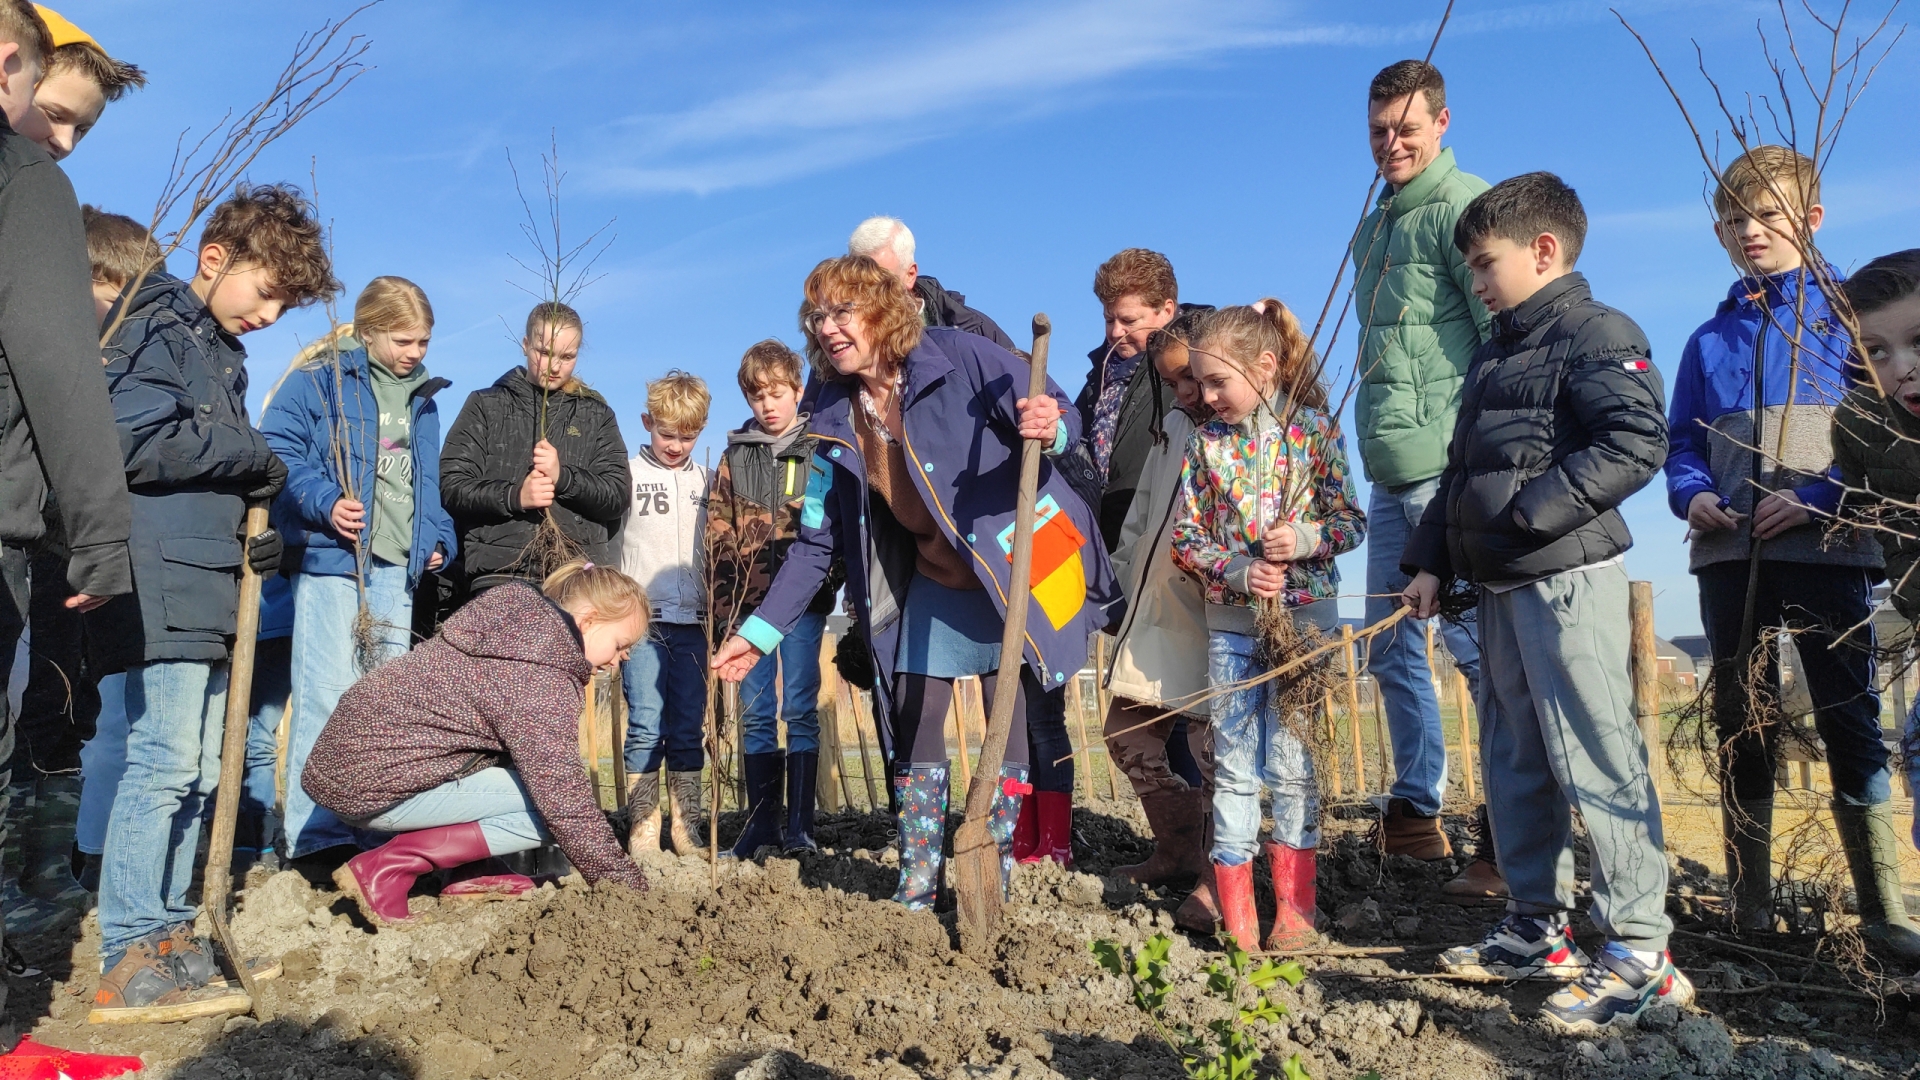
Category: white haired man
<point>889,242</point>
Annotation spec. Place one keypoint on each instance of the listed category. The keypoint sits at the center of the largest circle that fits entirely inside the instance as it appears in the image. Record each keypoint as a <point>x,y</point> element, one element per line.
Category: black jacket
<point>1146,401</point>
<point>487,454</point>
<point>179,391</point>
<point>944,308</point>
<point>56,429</point>
<point>1560,420</point>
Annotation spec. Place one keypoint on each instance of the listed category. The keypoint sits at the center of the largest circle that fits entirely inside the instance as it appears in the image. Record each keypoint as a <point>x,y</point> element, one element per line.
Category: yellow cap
<point>64,32</point>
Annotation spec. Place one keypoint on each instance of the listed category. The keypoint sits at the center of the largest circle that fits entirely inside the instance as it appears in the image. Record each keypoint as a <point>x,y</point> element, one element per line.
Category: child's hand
<point>436,560</point>
<point>546,460</point>
<point>536,491</point>
<point>1039,418</point>
<point>1279,544</point>
<point>735,658</point>
<point>1706,514</point>
<point>349,517</point>
<point>1422,594</point>
<point>1777,513</point>
<point>1266,579</point>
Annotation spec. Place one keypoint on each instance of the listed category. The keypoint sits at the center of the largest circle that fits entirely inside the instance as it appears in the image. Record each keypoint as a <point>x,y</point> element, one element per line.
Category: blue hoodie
<point>1710,418</point>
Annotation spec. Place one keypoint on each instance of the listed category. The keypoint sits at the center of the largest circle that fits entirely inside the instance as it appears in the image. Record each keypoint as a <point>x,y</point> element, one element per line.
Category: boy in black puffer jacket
<point>1560,421</point>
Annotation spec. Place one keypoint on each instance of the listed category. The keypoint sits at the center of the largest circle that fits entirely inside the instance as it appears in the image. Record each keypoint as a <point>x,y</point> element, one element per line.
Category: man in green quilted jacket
<point>1420,325</point>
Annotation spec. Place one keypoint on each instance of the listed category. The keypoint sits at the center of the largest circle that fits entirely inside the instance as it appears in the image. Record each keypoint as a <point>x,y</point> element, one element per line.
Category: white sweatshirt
<point>663,536</point>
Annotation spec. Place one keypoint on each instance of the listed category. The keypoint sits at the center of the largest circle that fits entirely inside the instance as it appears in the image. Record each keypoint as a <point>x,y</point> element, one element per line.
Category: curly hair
<point>273,225</point>
<point>1136,272</point>
<point>884,309</point>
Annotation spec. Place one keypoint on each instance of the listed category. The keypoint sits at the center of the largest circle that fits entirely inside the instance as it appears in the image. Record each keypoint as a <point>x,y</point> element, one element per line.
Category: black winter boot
<point>763,777</point>
<point>803,770</point>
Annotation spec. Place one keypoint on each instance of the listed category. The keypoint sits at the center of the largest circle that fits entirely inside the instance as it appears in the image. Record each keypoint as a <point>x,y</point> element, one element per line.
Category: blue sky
<point>735,145</point>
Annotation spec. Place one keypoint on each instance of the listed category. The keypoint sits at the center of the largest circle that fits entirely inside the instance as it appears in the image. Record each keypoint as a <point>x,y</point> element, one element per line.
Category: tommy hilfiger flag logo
<point>1636,365</point>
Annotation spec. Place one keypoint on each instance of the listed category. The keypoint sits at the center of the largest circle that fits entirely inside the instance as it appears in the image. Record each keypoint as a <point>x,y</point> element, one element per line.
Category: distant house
<point>1677,662</point>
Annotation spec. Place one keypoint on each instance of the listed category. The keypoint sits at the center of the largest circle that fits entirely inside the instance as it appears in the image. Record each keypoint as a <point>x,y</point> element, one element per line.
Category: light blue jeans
<point>272,683</point>
<point>493,797</point>
<point>785,680</point>
<point>1254,747</point>
<point>324,666</point>
<point>1398,658</point>
<point>176,712</point>
<point>103,759</point>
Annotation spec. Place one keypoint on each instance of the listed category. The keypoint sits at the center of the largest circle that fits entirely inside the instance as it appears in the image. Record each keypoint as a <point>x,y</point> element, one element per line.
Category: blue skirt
<point>947,633</point>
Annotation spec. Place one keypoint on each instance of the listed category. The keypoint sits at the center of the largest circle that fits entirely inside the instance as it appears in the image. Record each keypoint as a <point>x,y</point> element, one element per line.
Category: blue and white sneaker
<point>1521,947</point>
<point>1617,987</point>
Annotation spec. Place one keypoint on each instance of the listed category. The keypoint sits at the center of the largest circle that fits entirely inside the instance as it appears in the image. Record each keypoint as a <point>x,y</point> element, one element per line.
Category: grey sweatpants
<point>1557,732</point>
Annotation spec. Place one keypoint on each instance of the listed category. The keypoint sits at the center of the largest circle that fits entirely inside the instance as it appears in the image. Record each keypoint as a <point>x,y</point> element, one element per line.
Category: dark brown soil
<point>804,969</point>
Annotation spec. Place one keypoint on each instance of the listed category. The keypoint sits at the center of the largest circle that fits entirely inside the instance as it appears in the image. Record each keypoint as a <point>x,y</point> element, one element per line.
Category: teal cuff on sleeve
<point>760,634</point>
<point>1059,440</point>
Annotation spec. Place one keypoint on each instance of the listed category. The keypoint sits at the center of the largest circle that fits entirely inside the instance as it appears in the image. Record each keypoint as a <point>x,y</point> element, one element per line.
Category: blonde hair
<point>881,305</point>
<point>770,363</point>
<point>390,303</point>
<point>1241,333</point>
<point>606,593</point>
<point>1778,172</point>
<point>678,402</point>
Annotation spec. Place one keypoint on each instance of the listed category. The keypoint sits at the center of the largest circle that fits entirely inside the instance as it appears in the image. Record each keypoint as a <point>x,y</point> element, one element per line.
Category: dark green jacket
<point>1876,447</point>
<point>1419,324</point>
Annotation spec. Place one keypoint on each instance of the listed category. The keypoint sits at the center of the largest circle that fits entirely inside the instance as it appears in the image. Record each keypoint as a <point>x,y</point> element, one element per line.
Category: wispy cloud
<point>1017,63</point>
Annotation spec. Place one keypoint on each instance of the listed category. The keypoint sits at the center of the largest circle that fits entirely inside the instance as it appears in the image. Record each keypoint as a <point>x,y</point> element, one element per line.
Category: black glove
<point>853,660</point>
<point>264,550</point>
<point>270,485</point>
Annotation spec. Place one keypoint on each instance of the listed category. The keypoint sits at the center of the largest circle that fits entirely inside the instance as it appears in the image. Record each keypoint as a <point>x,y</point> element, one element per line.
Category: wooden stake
<point>1461,694</point>
<point>863,716</point>
<point>1387,775</point>
<point>617,734</point>
<point>1333,756</point>
<point>589,741</point>
<point>1646,677</point>
<point>1080,720</point>
<point>1100,724</point>
<point>1353,711</point>
<point>954,723</point>
<point>830,780</point>
<point>843,707</point>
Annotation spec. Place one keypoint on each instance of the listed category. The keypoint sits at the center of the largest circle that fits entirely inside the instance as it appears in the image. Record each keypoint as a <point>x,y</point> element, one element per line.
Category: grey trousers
<point>1557,732</point>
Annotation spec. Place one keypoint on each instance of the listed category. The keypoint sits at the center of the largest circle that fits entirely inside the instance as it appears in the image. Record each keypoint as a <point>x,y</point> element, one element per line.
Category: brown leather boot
<point>1480,882</point>
<point>1404,832</point>
<point>1199,913</point>
<point>1176,820</point>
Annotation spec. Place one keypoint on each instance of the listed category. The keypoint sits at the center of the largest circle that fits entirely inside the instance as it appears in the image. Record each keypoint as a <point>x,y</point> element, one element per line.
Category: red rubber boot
<point>1026,831</point>
<point>379,880</point>
<point>1055,813</point>
<point>1294,898</point>
<point>1233,888</point>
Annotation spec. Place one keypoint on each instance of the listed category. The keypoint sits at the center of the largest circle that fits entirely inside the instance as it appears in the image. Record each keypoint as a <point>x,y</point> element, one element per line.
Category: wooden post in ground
<point>959,727</point>
<point>589,739</point>
<point>1083,769</point>
<point>1380,736</point>
<point>1646,676</point>
<point>830,780</point>
<point>1353,710</point>
<point>618,737</point>
<point>1333,747</point>
<point>1468,768</point>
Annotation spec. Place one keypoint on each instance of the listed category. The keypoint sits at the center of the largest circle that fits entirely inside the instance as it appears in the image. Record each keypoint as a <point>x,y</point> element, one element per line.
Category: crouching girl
<point>1265,505</point>
<point>468,746</point>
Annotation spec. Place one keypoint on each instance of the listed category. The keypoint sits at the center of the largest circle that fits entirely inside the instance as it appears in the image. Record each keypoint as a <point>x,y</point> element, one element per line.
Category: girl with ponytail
<point>1265,504</point>
<point>468,746</point>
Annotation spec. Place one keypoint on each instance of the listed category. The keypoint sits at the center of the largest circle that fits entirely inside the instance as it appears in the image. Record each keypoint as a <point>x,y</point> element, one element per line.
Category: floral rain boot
<point>1009,803</point>
<point>922,821</point>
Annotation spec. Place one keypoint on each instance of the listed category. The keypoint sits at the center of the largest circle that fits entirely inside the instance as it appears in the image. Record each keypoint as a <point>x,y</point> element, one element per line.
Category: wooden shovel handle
<point>1019,595</point>
<point>217,885</point>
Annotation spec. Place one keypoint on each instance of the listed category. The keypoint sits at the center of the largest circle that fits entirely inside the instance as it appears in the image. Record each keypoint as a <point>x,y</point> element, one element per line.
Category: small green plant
<point>1226,1050</point>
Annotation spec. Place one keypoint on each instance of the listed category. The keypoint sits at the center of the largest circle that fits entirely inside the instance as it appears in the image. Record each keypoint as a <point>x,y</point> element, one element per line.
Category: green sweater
<point>1419,324</point>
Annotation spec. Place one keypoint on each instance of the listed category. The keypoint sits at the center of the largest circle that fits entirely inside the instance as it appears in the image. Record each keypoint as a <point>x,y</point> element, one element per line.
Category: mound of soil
<point>804,969</point>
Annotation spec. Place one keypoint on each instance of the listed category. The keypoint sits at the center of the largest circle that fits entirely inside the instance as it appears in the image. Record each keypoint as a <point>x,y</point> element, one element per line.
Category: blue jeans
<point>1398,658</point>
<point>493,797</point>
<point>1253,746</point>
<point>665,679</point>
<point>325,664</point>
<point>176,710</point>
<point>103,759</point>
<point>786,680</point>
<point>272,684</point>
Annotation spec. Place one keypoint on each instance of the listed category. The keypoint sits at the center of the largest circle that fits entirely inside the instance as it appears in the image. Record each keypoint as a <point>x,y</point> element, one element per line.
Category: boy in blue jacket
<point>177,377</point>
<point>1776,341</point>
<point>359,431</point>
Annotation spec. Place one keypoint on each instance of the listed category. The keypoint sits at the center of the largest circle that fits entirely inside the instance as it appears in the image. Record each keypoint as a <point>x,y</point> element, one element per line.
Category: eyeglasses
<point>841,315</point>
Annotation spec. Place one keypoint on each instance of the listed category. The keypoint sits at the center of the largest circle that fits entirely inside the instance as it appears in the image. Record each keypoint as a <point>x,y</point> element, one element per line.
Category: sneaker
<point>1521,947</point>
<point>197,960</point>
<point>1616,988</point>
<point>143,987</point>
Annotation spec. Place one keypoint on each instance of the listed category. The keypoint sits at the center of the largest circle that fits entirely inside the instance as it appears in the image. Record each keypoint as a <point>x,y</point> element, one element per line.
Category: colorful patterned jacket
<point>1238,477</point>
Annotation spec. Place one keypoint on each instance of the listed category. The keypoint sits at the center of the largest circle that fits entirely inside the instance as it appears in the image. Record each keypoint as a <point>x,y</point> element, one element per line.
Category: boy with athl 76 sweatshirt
<point>666,677</point>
